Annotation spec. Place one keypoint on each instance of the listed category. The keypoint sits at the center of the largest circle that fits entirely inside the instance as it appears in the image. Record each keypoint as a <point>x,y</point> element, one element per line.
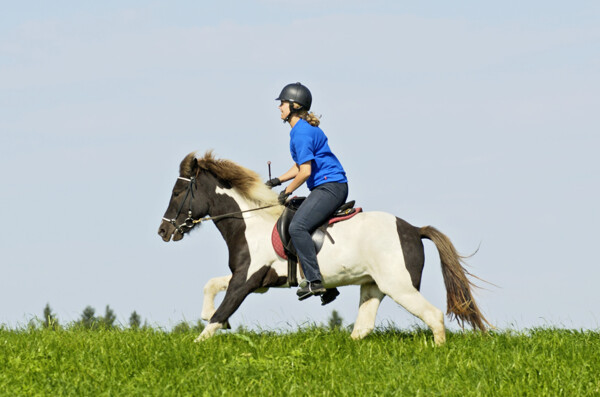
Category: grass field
<point>315,362</point>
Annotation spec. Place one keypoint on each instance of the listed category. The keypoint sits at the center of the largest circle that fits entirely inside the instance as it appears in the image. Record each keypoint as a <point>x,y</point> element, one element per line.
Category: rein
<point>190,222</point>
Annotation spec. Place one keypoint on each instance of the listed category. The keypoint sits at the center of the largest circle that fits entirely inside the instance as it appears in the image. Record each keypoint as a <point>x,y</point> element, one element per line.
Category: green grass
<point>315,362</point>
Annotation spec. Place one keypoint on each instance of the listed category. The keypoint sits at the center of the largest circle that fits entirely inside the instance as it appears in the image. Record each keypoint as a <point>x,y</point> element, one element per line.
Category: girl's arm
<point>290,174</point>
<point>301,174</point>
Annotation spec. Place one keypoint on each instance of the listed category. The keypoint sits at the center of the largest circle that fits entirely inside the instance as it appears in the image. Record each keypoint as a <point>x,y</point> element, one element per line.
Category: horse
<point>376,250</point>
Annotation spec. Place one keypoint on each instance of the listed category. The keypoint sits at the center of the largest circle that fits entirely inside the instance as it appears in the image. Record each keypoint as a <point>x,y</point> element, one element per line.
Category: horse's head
<point>189,201</point>
<point>195,194</point>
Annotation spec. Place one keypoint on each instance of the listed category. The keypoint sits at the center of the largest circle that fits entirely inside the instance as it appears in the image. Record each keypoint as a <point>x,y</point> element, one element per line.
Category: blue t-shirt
<point>308,143</point>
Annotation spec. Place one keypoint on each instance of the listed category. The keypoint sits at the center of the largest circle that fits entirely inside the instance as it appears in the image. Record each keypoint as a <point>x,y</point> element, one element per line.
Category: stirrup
<point>310,289</point>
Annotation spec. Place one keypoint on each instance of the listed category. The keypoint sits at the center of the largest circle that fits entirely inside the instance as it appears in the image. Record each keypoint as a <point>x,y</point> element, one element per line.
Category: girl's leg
<point>314,211</point>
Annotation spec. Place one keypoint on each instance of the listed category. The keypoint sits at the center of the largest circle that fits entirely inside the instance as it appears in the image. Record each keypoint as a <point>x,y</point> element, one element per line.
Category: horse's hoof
<point>361,333</point>
<point>329,296</point>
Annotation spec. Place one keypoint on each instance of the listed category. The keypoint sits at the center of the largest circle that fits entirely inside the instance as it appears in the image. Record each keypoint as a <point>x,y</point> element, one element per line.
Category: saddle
<point>282,242</point>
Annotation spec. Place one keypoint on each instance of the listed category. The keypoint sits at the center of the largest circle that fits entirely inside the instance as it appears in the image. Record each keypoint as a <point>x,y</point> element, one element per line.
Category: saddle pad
<point>277,244</point>
<point>344,217</point>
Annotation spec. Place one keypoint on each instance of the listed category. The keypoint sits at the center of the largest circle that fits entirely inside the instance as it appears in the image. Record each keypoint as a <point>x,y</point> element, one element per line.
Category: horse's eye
<point>175,194</point>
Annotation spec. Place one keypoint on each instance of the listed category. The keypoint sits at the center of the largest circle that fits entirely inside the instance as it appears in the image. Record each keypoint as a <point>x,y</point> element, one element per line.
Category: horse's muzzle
<point>166,230</point>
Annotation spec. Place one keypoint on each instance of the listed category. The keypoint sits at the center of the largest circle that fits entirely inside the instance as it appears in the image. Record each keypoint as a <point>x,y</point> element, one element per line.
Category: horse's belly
<point>356,246</point>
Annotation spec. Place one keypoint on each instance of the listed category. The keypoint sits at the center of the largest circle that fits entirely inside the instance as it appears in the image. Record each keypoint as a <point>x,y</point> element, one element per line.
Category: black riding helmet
<point>296,93</point>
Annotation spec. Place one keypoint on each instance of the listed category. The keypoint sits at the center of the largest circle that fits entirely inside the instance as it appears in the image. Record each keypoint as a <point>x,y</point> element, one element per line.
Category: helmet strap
<point>292,112</point>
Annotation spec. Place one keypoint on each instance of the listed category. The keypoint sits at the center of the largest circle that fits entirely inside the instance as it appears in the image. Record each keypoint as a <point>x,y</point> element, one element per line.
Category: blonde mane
<point>247,182</point>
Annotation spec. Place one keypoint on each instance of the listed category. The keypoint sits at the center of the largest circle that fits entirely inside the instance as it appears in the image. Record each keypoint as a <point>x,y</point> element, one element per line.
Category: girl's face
<point>284,108</point>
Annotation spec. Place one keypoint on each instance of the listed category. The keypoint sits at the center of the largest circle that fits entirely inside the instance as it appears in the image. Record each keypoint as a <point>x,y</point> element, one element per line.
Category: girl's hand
<point>271,183</point>
<point>283,197</point>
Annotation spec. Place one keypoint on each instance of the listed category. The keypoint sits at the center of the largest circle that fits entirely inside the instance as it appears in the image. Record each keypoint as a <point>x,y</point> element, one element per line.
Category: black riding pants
<point>320,204</point>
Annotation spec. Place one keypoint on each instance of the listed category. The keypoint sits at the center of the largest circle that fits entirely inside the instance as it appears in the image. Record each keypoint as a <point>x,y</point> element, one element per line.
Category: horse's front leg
<point>211,289</point>
<point>238,289</point>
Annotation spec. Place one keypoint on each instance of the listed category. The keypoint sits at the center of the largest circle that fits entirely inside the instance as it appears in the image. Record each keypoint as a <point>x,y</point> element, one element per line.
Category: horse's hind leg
<point>415,303</point>
<point>370,298</point>
<point>211,289</point>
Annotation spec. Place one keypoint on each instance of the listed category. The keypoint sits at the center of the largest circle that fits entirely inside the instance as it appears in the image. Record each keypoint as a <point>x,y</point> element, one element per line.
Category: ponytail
<point>310,118</point>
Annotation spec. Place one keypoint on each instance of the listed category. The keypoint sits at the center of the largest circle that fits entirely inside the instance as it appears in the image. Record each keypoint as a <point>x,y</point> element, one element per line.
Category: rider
<point>315,164</point>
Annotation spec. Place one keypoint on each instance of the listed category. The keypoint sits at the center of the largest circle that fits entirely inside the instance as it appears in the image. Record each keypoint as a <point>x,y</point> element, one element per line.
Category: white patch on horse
<point>257,233</point>
<point>211,289</point>
<point>366,247</point>
<point>208,331</point>
<point>370,298</point>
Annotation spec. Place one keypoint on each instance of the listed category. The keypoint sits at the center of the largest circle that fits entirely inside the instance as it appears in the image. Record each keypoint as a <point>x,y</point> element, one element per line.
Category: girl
<point>315,164</point>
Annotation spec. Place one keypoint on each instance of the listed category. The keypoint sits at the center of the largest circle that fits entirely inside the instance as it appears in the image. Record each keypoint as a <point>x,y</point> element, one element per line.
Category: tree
<point>108,320</point>
<point>184,327</point>
<point>135,321</point>
<point>50,320</point>
<point>181,328</point>
<point>335,321</point>
<point>88,319</point>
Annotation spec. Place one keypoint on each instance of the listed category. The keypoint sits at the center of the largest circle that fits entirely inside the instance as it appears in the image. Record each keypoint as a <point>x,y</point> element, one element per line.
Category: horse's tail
<point>460,302</point>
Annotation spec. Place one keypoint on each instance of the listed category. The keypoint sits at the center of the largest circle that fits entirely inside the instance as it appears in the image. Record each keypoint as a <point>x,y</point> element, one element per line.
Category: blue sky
<point>479,119</point>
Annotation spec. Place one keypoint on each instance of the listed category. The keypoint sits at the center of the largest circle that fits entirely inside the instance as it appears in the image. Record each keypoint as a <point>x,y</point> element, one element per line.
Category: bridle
<point>190,222</point>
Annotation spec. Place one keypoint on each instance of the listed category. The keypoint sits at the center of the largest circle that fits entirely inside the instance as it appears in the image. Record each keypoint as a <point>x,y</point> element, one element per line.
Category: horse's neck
<point>241,203</point>
<point>230,201</point>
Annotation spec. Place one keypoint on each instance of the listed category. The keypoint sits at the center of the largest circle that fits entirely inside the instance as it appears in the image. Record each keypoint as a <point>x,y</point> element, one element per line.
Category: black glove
<point>283,197</point>
<point>273,182</point>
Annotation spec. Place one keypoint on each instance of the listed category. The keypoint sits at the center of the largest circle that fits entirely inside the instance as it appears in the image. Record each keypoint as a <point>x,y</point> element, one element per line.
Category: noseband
<point>190,222</point>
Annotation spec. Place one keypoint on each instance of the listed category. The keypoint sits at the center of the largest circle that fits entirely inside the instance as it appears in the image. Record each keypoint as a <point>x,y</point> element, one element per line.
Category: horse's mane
<point>247,182</point>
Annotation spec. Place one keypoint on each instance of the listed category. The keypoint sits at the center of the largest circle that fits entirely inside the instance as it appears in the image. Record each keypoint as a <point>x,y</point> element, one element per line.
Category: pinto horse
<point>376,250</point>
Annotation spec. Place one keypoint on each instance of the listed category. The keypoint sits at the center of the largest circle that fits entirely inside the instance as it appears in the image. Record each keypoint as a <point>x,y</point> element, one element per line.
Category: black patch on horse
<point>233,231</point>
<point>412,248</point>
